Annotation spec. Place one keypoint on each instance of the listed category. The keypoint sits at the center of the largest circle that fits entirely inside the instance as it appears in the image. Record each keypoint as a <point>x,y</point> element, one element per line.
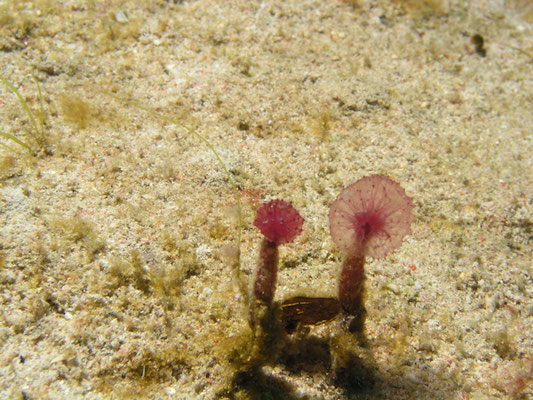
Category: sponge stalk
<point>267,269</point>
<point>351,285</point>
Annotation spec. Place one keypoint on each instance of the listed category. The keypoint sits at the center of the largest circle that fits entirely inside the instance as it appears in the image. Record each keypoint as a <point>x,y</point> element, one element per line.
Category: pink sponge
<point>371,217</point>
<point>279,221</point>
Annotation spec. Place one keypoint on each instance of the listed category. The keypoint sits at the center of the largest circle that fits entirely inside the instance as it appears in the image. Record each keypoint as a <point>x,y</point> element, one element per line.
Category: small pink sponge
<point>371,217</point>
<point>279,221</point>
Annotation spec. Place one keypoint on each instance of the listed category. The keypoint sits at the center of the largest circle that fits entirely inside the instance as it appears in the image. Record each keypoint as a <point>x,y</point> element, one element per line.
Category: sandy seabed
<point>118,231</point>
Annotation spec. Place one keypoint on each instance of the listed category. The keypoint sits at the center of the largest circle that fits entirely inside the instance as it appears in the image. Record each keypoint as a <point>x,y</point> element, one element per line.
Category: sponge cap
<point>371,217</point>
<point>279,221</point>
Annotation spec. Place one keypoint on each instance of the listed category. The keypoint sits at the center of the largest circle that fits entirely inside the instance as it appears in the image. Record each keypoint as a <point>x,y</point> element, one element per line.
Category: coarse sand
<point>119,240</point>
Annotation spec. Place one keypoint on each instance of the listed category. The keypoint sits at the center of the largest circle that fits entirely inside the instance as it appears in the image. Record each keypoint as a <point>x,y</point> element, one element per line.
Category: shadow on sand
<point>353,375</point>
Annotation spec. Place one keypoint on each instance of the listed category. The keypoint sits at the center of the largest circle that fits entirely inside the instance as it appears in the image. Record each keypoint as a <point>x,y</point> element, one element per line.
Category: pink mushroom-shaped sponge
<point>371,217</point>
<point>280,223</point>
